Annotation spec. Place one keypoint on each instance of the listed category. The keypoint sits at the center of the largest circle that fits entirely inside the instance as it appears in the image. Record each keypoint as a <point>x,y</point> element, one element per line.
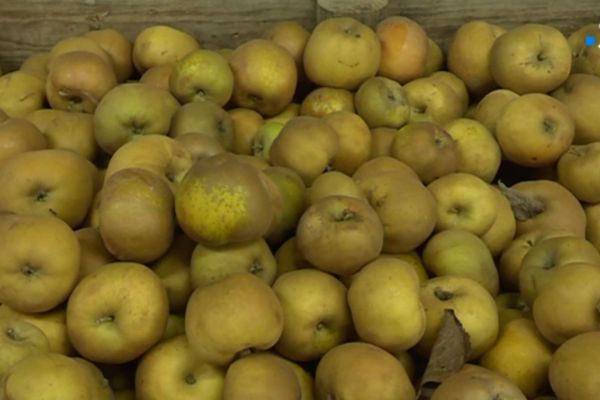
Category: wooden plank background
<point>27,26</point>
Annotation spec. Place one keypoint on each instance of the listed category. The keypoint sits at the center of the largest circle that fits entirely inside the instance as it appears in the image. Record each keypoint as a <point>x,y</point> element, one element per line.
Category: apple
<point>21,93</point>
<point>18,135</point>
<point>161,44</point>
<point>381,102</point>
<point>530,58</point>
<point>341,52</point>
<point>118,48</point>
<point>324,100</point>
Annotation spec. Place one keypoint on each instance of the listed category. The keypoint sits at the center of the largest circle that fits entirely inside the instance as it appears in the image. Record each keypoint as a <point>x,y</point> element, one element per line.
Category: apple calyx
<point>523,207</point>
<point>255,267</point>
<point>12,335</point>
<point>29,271</point>
<point>442,294</point>
<point>190,379</point>
<point>245,352</point>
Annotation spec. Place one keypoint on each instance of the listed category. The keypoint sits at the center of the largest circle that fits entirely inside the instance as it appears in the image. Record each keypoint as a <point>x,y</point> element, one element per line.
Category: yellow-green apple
<point>456,84</point>
<point>53,182</point>
<point>578,93</point>
<point>545,204</point>
<point>433,100</point>
<point>158,76</point>
<point>354,140</point>
<point>246,123</point>
<point>78,80</point>
<point>94,254</point>
<point>511,306</point>
<point>491,106</point>
<point>77,43</point>
<point>144,196</point>
<point>324,100</point>
<point>117,313</point>
<point>290,35</point>
<point>464,201</point>
<point>67,130</point>
<point>586,58</point>
<point>478,151</point>
<point>235,201</point>
<point>592,229</point>
<point>522,355</point>
<point>573,369</point>
<point>511,258</point>
<point>473,306</point>
<point>568,305</point>
<point>469,55</point>
<point>211,264</point>
<point>503,230</point>
<point>316,316</point>
<point>204,117</point>
<point>173,269</point>
<point>427,148</point>
<point>404,205</point>
<point>289,258</point>
<point>404,48</point>
<point>51,323</point>
<point>264,138</point>
<point>381,102</point>
<point>307,145</point>
<point>36,64</point>
<point>340,234</point>
<point>265,76</point>
<point>358,370</point>
<point>21,93</point>
<point>530,58</point>
<point>162,155</point>
<point>254,321</point>
<point>341,52</point>
<point>381,141</point>
<point>19,340</point>
<point>458,252</point>
<point>55,375</point>
<point>171,371</point>
<point>18,135</point>
<point>391,317</point>
<point>261,376</point>
<point>202,75</point>
<point>435,58</point>
<point>131,110</point>
<point>474,382</point>
<point>332,183</point>
<point>161,44</point>
<point>577,171</point>
<point>535,130</point>
<point>293,193</point>
<point>119,49</point>
<point>200,145</point>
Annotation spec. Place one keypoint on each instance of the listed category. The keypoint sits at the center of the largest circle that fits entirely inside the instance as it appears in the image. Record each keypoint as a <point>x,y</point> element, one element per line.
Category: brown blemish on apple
<point>549,125</point>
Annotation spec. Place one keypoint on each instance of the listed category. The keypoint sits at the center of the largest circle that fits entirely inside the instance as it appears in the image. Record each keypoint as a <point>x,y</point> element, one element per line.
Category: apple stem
<point>524,208</point>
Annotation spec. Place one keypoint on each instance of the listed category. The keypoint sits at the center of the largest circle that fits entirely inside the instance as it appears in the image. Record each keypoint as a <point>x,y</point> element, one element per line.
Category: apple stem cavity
<point>442,294</point>
<point>524,208</point>
<point>345,215</point>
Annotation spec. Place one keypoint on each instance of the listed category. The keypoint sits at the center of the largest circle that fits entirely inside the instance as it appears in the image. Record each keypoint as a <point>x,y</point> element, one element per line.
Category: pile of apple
<point>292,219</point>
